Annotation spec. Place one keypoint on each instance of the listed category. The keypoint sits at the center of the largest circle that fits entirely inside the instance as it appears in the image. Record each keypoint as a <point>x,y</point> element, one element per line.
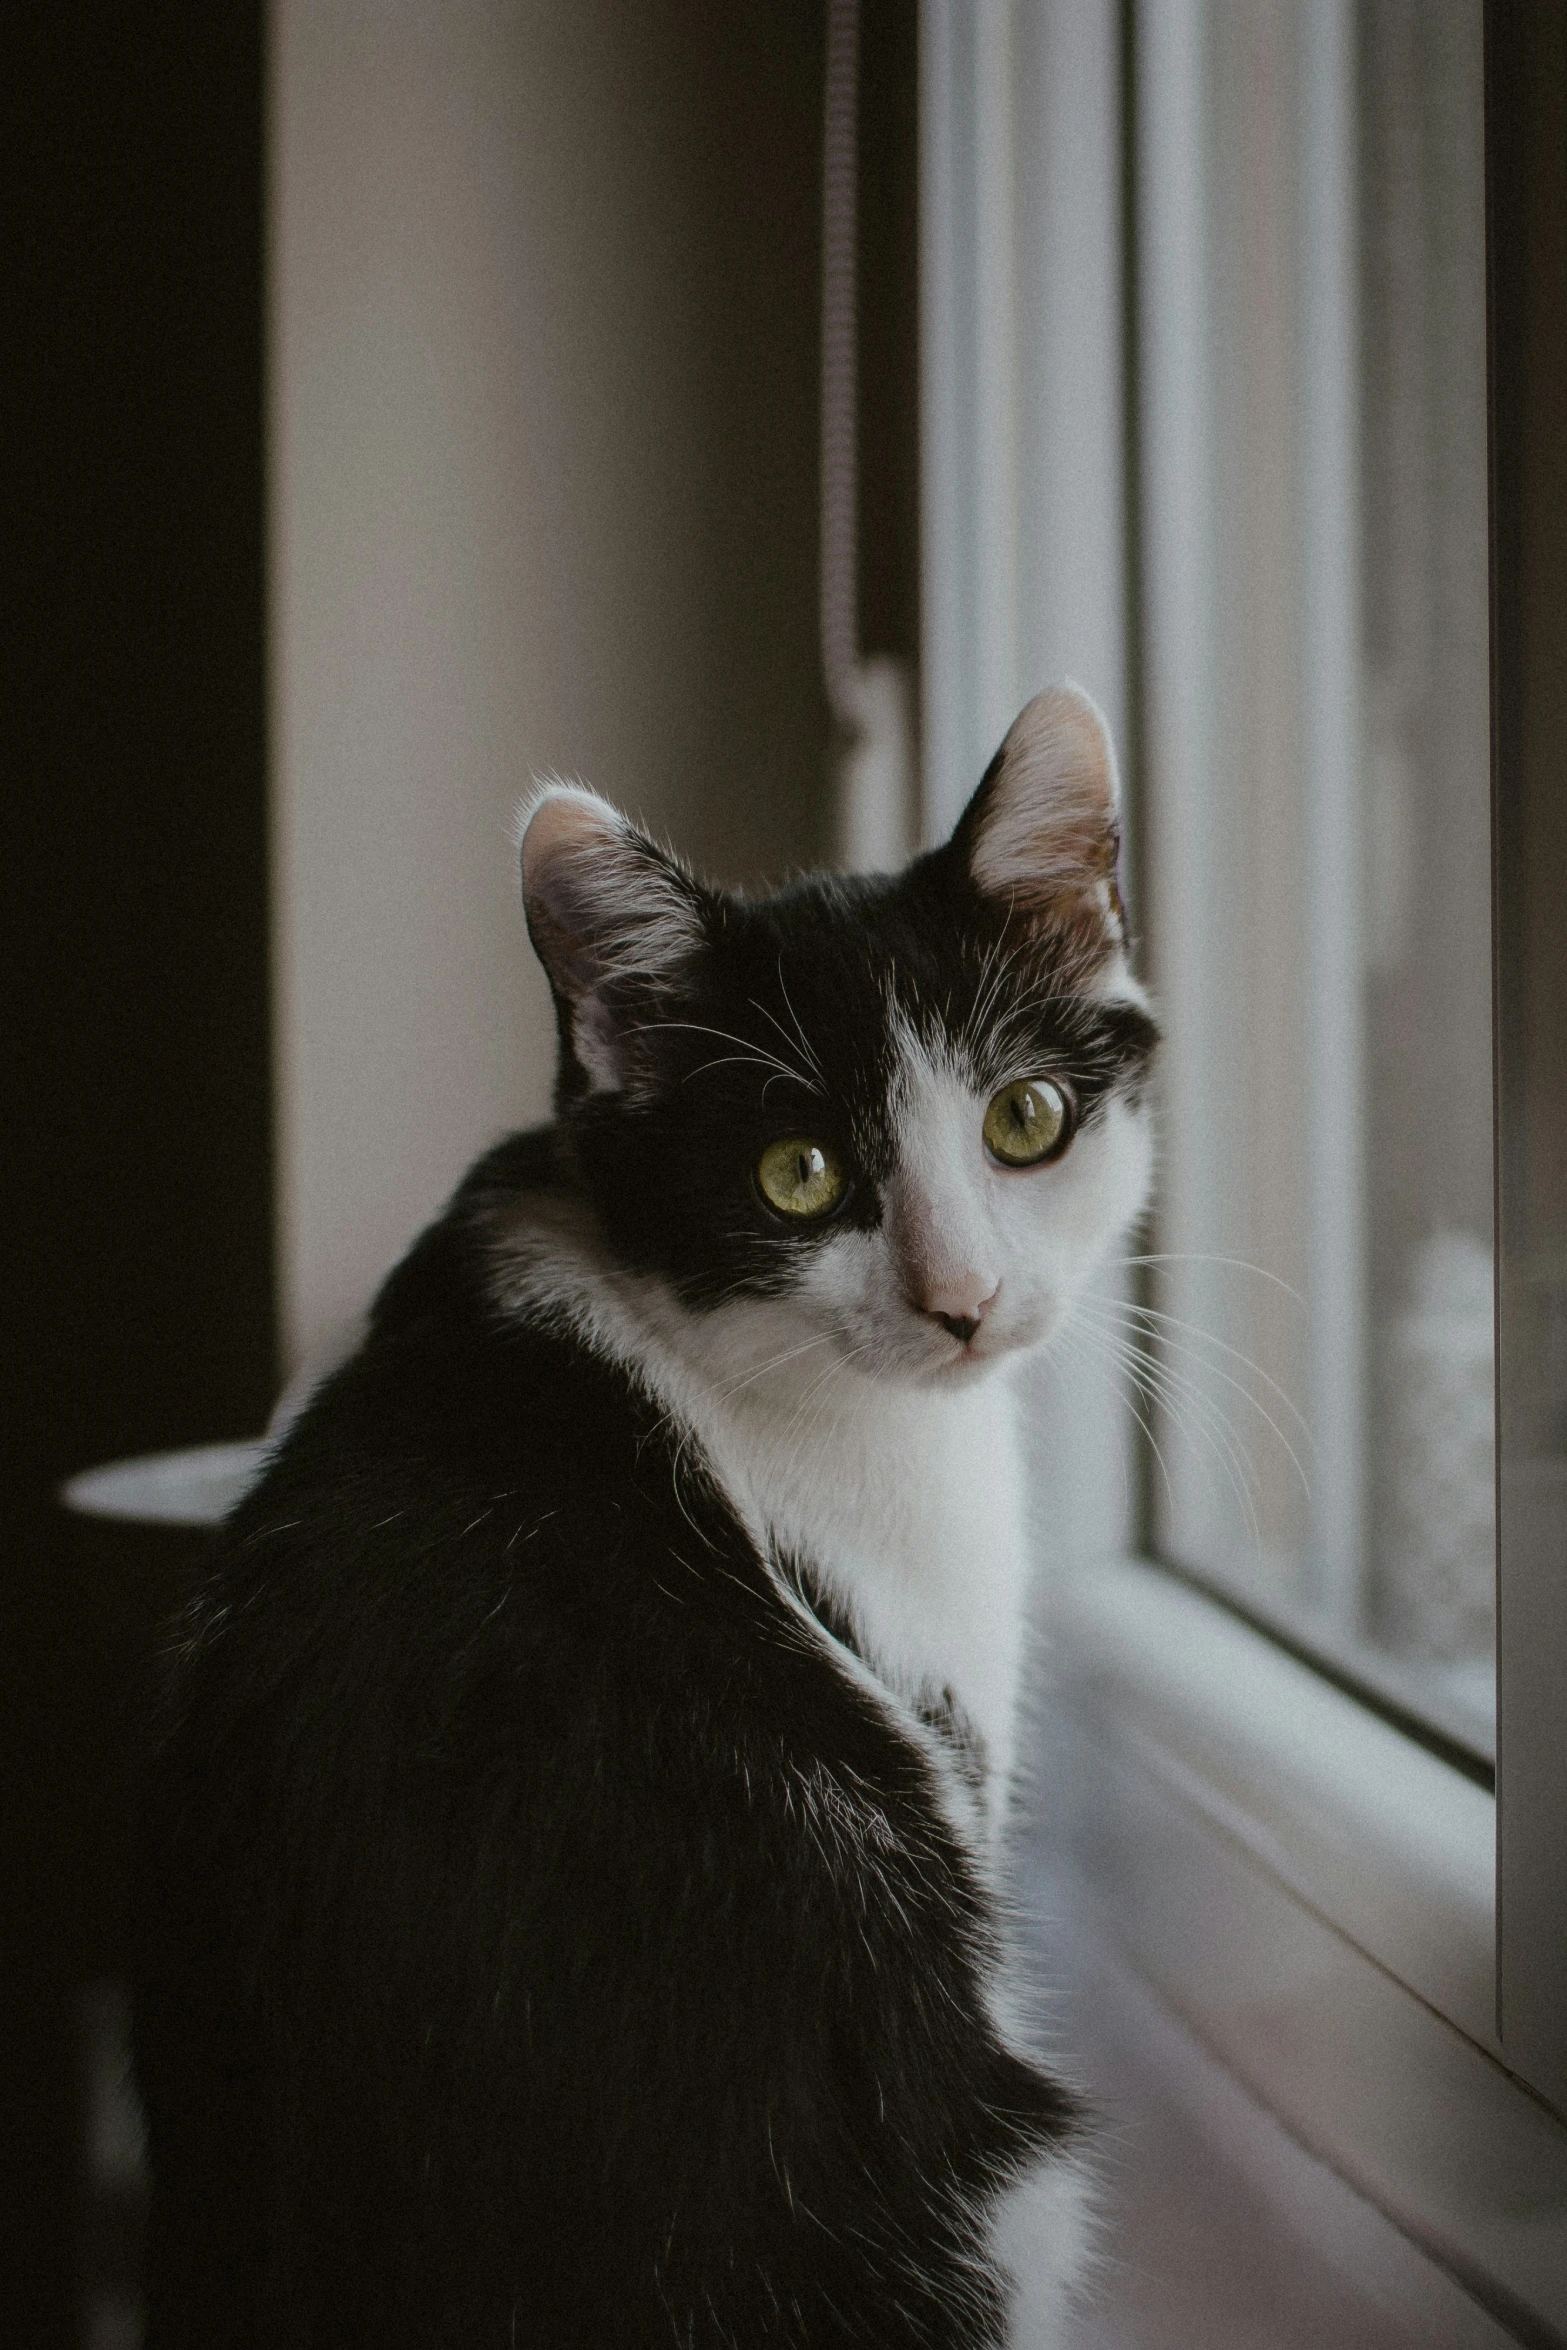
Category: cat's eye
<point>1027,1122</point>
<point>800,1177</point>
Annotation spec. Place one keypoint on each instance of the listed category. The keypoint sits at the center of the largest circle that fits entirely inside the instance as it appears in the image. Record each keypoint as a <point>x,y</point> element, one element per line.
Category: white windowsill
<point>1380,1838</point>
<point>1313,1894</point>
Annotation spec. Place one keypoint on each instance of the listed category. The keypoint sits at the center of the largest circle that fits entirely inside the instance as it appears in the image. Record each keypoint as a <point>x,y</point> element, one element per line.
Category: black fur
<point>542,1939</point>
<point>819,969</point>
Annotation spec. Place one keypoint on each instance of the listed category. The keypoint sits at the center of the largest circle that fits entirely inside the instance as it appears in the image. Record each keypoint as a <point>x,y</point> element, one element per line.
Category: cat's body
<point>569,1911</point>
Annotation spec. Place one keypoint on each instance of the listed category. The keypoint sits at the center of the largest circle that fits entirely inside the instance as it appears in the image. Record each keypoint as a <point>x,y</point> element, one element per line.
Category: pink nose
<point>960,1306</point>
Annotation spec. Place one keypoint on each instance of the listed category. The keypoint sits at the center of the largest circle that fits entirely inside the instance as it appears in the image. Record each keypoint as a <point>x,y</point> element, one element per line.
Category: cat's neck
<point>752,1377</point>
<point>908,1505</point>
<point>906,1502</point>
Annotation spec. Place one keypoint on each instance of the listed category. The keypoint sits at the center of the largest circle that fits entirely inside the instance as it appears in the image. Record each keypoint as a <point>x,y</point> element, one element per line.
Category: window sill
<point>1314,1895</point>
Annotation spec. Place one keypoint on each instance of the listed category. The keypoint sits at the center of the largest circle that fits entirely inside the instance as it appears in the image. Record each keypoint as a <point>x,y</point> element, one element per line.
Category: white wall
<point>542,349</point>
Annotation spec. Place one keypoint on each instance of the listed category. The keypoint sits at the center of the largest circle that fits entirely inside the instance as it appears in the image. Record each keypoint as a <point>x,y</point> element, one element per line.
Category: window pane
<point>1311,212</point>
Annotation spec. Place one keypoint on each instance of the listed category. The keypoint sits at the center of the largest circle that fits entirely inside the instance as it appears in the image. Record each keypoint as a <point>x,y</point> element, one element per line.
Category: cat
<point>568,1906</point>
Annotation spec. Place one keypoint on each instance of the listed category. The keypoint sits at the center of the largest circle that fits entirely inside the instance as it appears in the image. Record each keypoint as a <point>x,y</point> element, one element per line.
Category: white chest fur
<point>907,1501</point>
<point>909,1505</point>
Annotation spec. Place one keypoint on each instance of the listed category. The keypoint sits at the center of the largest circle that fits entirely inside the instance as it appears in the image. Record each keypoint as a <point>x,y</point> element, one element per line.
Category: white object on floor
<point>201,1484</point>
<point>194,1488</point>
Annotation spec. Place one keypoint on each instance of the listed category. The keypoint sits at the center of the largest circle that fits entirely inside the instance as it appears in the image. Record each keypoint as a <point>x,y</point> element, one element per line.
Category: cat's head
<point>903,1117</point>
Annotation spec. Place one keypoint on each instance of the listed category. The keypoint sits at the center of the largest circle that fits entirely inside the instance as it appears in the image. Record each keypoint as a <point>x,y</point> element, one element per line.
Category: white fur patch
<point>1041,2238</point>
<point>959,1229</point>
<point>799,1441</point>
<point>848,1426</point>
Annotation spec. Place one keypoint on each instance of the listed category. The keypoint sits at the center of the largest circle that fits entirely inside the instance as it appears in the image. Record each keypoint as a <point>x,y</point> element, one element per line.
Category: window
<point>1208,426</point>
<point>1311,222</point>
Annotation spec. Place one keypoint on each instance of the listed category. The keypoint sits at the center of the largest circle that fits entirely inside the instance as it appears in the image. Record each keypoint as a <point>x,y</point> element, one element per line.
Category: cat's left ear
<point>1043,831</point>
<point>614,920</point>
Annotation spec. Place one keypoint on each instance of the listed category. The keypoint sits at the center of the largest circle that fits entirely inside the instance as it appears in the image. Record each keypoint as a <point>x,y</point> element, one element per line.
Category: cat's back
<point>527,1894</point>
<point>483,1569</point>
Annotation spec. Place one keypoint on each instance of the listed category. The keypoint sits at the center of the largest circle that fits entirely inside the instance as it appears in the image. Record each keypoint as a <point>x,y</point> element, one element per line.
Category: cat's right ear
<point>612,918</point>
<point>1042,834</point>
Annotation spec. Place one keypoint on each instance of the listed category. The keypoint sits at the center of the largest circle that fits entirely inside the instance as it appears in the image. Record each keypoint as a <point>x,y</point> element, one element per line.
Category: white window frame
<point>1310,1888</point>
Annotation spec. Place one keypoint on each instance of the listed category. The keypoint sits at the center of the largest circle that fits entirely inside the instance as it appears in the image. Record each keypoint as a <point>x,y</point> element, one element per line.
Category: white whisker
<point>1168,1322</point>
<point>1178,1384</point>
<point>1077,1332</point>
<point>1216,1371</point>
<point>749,1049</point>
<point>799,1037</point>
<point>1197,1257</point>
<point>1185,1421</point>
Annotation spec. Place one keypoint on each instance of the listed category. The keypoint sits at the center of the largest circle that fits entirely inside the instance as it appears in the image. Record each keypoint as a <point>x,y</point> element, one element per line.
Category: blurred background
<point>406,402</point>
<point>414,397</point>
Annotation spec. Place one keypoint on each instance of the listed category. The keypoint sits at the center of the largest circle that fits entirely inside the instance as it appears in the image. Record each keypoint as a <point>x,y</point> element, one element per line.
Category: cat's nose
<point>962,1326</point>
<point>964,1323</point>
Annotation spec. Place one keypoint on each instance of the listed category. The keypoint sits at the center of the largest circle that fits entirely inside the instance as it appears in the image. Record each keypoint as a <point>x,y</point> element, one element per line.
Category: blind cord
<point>839,546</point>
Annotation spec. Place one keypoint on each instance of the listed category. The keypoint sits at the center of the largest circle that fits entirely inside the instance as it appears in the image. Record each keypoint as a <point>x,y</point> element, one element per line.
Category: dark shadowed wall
<point>138,1283</point>
<point>405,400</point>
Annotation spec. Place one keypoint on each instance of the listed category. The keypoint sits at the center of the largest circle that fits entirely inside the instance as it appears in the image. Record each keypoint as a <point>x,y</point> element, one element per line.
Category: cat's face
<point>899,1120</point>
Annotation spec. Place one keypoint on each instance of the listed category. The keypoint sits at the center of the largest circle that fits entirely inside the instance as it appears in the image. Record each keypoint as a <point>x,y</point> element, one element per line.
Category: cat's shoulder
<point>467,1429</point>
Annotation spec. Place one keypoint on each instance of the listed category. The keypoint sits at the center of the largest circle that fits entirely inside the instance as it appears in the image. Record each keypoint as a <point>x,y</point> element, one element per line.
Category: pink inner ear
<point>567,851</point>
<point>1048,824</point>
<point>603,903</point>
<point>566,824</point>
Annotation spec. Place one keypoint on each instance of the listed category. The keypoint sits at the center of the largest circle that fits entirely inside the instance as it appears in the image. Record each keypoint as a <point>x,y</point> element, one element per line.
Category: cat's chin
<point>954,1367</point>
<point>968,1369</point>
<point>982,1362</point>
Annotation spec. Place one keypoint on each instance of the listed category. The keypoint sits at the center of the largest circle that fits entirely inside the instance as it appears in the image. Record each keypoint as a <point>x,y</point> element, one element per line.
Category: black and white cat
<point>568,1913</point>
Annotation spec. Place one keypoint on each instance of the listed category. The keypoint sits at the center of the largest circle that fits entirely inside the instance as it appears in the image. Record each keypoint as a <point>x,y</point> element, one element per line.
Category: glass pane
<point>1311,211</point>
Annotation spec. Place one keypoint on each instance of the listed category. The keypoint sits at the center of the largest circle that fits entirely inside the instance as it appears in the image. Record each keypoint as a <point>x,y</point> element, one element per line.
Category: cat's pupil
<point>800,1177</point>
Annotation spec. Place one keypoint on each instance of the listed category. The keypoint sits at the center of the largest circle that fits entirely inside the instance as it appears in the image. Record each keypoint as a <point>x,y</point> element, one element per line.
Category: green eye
<point>799,1177</point>
<point>1026,1122</point>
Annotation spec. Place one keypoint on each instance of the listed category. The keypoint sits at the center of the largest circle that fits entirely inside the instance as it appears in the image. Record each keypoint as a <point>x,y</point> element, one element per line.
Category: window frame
<point>1221,1897</point>
<point>1526,203</point>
